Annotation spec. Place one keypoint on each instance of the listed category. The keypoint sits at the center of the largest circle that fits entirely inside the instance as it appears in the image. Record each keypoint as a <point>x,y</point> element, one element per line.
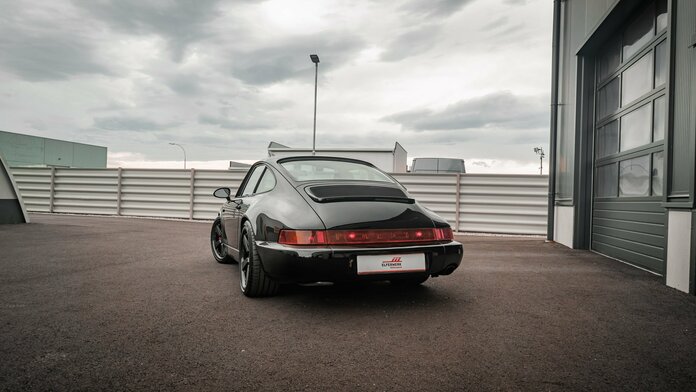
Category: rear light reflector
<point>364,237</point>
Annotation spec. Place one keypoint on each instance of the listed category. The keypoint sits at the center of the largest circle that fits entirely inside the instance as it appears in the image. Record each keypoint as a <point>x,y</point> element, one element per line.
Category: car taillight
<point>302,237</point>
<point>364,237</point>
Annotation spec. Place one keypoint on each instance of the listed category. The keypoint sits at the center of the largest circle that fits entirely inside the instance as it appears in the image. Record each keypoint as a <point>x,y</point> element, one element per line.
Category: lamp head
<point>314,58</point>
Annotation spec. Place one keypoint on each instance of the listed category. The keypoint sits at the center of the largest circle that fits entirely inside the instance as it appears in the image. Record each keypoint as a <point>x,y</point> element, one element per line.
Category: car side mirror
<point>222,193</point>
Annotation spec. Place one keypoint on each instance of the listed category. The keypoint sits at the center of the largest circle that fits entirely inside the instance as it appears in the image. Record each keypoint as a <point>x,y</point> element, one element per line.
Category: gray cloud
<point>231,123</point>
<point>495,23</point>
<point>129,123</point>
<point>180,22</point>
<point>411,43</point>
<point>290,59</point>
<point>502,109</point>
<point>184,84</point>
<point>214,75</point>
<point>479,163</point>
<point>516,30</point>
<point>47,57</point>
<point>434,8</point>
<point>37,47</point>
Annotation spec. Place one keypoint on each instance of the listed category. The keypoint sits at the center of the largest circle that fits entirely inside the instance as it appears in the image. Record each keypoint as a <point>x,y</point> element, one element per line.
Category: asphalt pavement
<point>97,303</point>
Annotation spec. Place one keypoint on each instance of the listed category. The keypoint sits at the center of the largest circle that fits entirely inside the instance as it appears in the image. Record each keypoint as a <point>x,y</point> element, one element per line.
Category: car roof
<point>277,161</point>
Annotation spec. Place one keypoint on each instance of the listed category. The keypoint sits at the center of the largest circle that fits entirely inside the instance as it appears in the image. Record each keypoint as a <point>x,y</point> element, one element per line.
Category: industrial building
<point>623,133</point>
<point>26,150</point>
<point>391,160</point>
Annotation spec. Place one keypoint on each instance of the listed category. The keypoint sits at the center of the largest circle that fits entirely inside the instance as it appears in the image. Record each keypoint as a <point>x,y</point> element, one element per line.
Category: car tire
<point>217,245</point>
<point>409,282</point>
<point>252,278</point>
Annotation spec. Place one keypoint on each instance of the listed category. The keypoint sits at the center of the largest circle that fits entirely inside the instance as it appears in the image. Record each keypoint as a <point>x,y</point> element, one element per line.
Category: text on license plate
<point>389,264</point>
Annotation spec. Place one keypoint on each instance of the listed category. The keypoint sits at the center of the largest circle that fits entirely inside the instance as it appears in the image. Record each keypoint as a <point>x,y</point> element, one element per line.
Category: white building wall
<point>679,249</point>
<point>563,229</point>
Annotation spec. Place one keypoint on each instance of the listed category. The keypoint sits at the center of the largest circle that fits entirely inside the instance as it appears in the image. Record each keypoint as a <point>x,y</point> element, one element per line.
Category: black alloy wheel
<point>217,245</point>
<point>252,278</point>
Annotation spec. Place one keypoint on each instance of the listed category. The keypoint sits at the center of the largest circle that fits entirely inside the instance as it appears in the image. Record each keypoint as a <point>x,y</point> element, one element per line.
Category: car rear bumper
<point>288,264</point>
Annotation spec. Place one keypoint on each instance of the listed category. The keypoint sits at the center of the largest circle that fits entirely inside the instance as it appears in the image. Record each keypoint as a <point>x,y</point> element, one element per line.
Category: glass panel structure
<point>661,19</point>
<point>658,174</point>
<point>608,98</point>
<point>661,64</point>
<point>267,183</point>
<point>606,185</point>
<point>634,177</point>
<point>450,165</point>
<point>610,59</point>
<point>608,139</point>
<point>635,128</point>
<point>639,33</point>
<point>628,183</point>
<point>659,119</point>
<point>631,106</point>
<point>317,170</point>
<point>428,164</point>
<point>253,180</point>
<point>637,80</point>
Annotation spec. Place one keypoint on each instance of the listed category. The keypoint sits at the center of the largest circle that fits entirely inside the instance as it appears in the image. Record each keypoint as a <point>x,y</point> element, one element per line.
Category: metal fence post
<point>457,202</point>
<point>118,191</point>
<point>52,190</point>
<point>191,191</point>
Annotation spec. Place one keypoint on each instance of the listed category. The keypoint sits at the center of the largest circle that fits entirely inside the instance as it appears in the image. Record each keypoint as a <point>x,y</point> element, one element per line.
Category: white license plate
<point>389,264</point>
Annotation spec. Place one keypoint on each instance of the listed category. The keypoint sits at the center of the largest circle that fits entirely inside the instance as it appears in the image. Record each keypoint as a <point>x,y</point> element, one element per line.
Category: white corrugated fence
<point>484,203</point>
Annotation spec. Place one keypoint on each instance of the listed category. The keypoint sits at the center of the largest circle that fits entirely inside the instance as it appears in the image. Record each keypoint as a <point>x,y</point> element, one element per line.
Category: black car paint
<point>272,211</point>
<point>366,214</point>
<point>300,265</point>
<point>266,212</point>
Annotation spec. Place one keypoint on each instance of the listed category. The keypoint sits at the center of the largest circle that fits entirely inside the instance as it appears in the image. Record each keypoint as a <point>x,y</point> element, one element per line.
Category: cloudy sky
<point>456,78</point>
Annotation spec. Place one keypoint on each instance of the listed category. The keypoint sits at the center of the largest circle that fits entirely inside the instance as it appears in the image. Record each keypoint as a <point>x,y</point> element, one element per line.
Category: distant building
<point>393,160</point>
<point>438,165</point>
<point>26,150</point>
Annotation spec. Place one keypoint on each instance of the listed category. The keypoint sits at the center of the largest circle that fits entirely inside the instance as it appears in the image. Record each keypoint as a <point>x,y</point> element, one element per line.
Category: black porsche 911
<point>325,219</point>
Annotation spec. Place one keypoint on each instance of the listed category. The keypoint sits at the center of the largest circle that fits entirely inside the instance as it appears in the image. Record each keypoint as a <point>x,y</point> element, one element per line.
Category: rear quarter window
<point>267,183</point>
<point>252,180</point>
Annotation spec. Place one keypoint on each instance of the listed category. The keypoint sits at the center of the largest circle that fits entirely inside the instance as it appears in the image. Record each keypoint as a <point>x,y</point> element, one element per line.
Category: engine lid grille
<point>352,192</point>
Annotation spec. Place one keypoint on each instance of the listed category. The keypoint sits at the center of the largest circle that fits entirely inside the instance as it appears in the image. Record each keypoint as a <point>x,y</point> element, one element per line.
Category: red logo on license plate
<point>395,262</point>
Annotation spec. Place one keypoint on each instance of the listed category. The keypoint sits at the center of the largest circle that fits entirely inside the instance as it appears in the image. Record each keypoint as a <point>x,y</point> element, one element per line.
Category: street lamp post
<point>540,152</point>
<point>315,60</point>
<point>182,149</point>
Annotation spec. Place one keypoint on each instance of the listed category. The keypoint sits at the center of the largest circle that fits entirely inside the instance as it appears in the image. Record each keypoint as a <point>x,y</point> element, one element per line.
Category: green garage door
<point>628,221</point>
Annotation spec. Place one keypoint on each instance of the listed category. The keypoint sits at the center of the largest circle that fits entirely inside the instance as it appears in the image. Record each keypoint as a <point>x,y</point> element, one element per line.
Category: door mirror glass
<point>222,193</point>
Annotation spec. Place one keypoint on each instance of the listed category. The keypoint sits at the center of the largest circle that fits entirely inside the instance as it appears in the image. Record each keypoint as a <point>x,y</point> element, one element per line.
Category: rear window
<point>313,170</point>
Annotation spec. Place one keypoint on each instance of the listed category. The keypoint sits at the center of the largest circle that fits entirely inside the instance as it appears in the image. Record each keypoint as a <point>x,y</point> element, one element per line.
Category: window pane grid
<point>634,177</point>
<point>629,133</point>
<point>636,128</point>
<point>657,173</point>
